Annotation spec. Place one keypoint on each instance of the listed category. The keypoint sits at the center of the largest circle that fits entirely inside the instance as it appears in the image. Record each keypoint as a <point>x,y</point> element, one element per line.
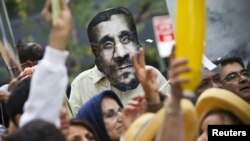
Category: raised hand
<point>147,78</point>
<point>132,111</point>
<point>26,73</point>
<point>177,66</point>
<point>60,30</point>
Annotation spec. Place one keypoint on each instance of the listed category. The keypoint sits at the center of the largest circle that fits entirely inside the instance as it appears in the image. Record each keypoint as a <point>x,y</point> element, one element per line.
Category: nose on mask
<point>122,60</point>
<point>120,53</point>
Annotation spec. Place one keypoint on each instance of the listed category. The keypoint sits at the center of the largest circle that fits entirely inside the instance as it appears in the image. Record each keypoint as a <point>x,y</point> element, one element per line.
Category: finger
<point>27,76</point>
<point>128,109</point>
<point>135,63</point>
<point>20,75</point>
<point>63,4</point>
<point>151,75</point>
<point>46,12</point>
<point>141,57</point>
<point>138,97</point>
<point>47,4</point>
<point>28,70</point>
<point>179,81</point>
<point>23,74</point>
<point>141,99</point>
<point>178,62</point>
<point>12,84</point>
<point>133,103</point>
<point>179,71</point>
<point>46,7</point>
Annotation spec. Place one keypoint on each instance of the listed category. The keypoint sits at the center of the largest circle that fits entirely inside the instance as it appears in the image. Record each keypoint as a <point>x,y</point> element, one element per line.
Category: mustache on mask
<point>114,63</point>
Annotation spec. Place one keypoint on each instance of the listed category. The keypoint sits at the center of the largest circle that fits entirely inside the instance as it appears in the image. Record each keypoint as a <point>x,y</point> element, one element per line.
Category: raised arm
<point>147,78</point>
<point>49,81</point>
<point>172,127</point>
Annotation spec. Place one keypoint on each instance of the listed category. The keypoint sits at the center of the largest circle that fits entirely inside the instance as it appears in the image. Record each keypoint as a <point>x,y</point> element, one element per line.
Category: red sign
<point>163,28</point>
<point>164,34</point>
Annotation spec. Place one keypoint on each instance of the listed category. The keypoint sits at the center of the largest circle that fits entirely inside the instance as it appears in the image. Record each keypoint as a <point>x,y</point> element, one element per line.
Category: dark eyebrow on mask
<point>125,33</point>
<point>105,39</point>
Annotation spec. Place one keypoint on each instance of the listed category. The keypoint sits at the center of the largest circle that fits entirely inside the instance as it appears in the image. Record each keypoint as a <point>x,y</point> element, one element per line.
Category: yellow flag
<point>190,37</point>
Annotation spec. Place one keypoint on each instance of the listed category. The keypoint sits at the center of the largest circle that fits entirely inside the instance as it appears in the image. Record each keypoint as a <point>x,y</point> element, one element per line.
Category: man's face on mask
<point>116,44</point>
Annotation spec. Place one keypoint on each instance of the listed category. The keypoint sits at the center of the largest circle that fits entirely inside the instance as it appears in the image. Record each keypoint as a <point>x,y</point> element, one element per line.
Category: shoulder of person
<point>83,75</point>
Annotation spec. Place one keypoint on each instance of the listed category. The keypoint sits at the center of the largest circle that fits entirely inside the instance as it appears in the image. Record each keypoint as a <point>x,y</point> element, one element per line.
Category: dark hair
<point>29,51</point>
<point>105,16</point>
<point>229,60</point>
<point>17,98</point>
<point>85,124</point>
<point>37,130</point>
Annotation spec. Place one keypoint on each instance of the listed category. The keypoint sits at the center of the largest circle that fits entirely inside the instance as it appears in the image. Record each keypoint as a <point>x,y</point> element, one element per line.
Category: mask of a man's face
<point>116,44</point>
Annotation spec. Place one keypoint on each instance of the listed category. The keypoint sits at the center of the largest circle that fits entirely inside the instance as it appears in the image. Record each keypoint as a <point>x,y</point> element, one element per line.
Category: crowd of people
<point>120,98</point>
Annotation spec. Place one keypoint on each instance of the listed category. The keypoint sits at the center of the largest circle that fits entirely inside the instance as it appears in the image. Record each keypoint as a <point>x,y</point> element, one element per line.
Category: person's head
<point>235,77</point>
<point>210,79</point>
<point>217,106</point>
<point>17,99</point>
<point>29,54</point>
<point>37,130</point>
<point>216,117</point>
<point>103,111</point>
<point>111,112</point>
<point>80,130</point>
<point>113,38</point>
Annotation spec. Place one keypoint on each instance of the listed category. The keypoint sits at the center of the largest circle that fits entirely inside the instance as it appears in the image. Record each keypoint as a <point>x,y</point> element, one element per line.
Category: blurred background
<point>28,26</point>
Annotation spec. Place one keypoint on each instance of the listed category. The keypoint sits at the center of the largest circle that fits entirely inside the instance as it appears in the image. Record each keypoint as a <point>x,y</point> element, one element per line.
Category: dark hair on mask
<point>105,16</point>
